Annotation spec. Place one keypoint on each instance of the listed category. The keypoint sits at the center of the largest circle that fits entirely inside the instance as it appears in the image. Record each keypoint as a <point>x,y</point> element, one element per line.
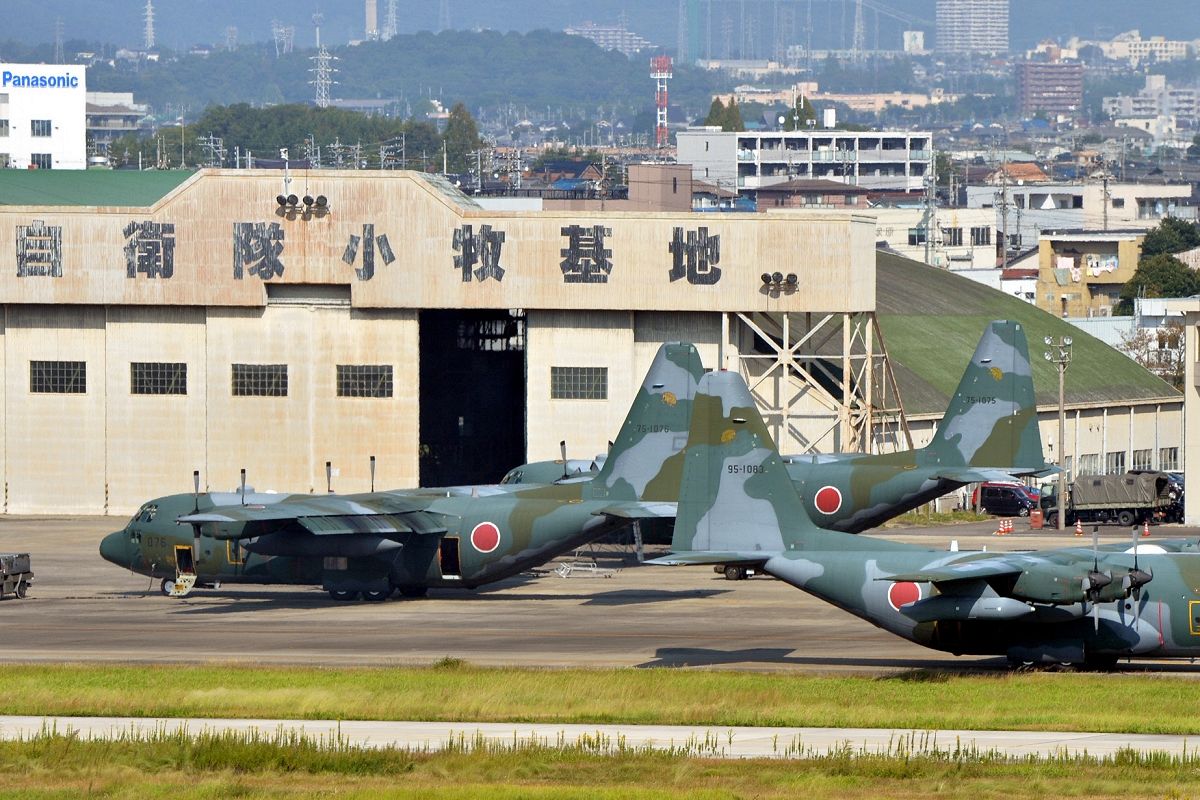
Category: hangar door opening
<point>472,426</point>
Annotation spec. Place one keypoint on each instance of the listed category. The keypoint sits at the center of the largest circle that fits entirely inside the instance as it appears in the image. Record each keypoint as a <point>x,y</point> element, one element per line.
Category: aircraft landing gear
<point>377,597</point>
<point>414,591</point>
<point>346,596</point>
<point>167,586</point>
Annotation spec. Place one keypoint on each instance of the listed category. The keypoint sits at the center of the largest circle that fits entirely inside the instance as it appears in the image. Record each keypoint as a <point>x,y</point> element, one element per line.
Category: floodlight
<point>308,201</point>
<point>1067,341</point>
<point>292,199</point>
<point>281,200</point>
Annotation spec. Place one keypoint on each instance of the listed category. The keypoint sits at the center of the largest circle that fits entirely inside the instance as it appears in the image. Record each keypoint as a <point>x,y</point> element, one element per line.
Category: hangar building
<point>157,322</point>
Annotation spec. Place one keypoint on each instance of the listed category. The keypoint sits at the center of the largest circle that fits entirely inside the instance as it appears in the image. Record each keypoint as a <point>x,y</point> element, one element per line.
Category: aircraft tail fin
<point>992,418</point>
<point>736,502</point>
<point>645,461</point>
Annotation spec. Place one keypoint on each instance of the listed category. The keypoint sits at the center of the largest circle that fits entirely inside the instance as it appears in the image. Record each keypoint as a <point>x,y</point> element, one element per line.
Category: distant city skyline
<point>179,25</point>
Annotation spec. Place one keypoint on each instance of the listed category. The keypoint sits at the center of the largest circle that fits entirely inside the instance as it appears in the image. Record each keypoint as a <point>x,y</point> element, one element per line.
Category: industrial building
<point>387,326</point>
<point>42,116</point>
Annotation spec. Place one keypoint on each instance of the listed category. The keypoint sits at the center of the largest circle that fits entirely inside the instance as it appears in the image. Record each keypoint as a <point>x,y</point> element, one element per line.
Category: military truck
<point>15,576</point>
<point>1128,499</point>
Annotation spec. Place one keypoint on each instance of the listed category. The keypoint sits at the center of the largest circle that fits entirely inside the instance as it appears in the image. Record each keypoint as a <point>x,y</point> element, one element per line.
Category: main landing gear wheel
<point>733,573</point>
<point>338,594</point>
<point>414,591</point>
<point>167,586</point>
<point>1126,519</point>
<point>1100,662</point>
<point>377,597</point>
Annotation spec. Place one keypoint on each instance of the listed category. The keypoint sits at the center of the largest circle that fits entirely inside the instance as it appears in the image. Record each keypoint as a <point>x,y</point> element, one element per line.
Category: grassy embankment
<point>252,766</point>
<point>454,691</point>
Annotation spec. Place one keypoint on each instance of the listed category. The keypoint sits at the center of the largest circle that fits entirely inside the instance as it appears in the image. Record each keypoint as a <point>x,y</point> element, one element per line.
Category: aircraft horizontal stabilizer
<point>977,475</point>
<point>639,511</point>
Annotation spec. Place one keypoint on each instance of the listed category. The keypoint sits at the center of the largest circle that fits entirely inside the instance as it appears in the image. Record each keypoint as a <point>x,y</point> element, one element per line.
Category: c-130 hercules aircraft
<point>376,543</point>
<point>1071,605</point>
<point>989,433</point>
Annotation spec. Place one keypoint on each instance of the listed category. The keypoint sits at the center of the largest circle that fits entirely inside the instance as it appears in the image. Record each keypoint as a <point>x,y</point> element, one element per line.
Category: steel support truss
<point>824,382</point>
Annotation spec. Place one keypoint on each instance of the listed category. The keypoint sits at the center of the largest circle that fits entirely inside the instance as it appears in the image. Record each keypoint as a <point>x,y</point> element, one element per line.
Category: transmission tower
<point>148,28</point>
<point>443,15</point>
<point>231,33</point>
<point>859,44</point>
<point>322,68</point>
<point>284,36</point>
<point>58,41</point>
<point>681,46</point>
<point>389,21</point>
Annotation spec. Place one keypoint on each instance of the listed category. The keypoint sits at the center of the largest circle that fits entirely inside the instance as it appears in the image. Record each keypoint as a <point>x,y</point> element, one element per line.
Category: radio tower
<point>148,29</point>
<point>389,21</point>
<point>660,70</point>
<point>322,68</point>
<point>443,16</point>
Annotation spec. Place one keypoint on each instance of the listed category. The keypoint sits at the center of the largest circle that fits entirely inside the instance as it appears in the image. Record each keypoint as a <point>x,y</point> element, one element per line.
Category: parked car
<point>1006,499</point>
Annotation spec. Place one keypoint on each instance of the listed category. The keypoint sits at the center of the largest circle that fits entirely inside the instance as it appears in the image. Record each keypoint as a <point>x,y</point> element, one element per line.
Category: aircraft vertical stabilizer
<point>991,421</point>
<point>645,461</point>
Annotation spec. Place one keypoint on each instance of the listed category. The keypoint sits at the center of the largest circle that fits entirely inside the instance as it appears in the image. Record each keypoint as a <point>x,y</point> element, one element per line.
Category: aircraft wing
<point>977,569</point>
<point>982,474</point>
<point>711,557</point>
<point>321,515</point>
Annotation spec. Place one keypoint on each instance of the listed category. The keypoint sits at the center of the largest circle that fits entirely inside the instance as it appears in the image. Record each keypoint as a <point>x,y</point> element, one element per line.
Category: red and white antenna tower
<point>660,70</point>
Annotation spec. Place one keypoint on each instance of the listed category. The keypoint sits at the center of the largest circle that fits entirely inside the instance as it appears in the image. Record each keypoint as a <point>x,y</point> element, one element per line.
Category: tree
<point>733,117</point>
<point>1160,351</point>
<point>1158,276</point>
<point>1171,236</point>
<point>716,113</point>
<point>461,139</point>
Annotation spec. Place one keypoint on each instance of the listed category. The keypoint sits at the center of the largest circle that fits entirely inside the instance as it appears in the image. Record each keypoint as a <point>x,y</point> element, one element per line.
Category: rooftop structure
<point>1156,98</point>
<point>611,37</point>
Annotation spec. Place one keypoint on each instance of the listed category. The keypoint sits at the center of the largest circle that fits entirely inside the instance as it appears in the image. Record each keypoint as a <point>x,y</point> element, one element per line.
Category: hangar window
<point>579,383</point>
<point>260,380</point>
<point>3,127</point>
<point>157,377</point>
<point>364,380</point>
<point>1168,458</point>
<point>1141,459</point>
<point>1114,463</point>
<point>39,127</point>
<point>58,377</point>
<point>41,160</point>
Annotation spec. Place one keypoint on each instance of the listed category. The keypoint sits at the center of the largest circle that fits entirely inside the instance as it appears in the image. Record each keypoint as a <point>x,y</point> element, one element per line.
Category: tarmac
<point>83,609</point>
<point>724,743</point>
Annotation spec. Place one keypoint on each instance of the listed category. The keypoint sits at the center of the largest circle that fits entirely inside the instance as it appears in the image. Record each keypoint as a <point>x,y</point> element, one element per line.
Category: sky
<point>180,23</point>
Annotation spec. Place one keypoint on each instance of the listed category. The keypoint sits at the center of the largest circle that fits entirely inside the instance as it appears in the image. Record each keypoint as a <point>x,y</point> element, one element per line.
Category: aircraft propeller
<point>1135,580</point>
<point>562,447</point>
<point>195,510</point>
<point>1095,581</point>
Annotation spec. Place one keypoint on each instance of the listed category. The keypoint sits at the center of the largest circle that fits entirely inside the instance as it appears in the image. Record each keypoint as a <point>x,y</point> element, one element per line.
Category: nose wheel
<point>167,587</point>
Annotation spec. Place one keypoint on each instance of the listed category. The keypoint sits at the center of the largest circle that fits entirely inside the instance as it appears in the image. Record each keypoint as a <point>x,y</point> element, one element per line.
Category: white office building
<point>745,161</point>
<point>43,116</point>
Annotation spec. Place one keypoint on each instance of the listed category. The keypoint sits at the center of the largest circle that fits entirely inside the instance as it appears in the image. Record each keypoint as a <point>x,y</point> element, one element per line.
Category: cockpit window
<point>146,513</point>
<point>513,476</point>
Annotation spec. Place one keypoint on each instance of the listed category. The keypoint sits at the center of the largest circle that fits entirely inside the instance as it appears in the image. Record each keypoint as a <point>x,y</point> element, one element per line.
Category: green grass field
<point>454,691</point>
<point>253,766</point>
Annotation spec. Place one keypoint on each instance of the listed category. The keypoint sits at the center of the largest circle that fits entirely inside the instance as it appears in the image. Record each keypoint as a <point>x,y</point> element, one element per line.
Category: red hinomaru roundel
<point>485,537</point>
<point>903,593</point>
<point>828,499</point>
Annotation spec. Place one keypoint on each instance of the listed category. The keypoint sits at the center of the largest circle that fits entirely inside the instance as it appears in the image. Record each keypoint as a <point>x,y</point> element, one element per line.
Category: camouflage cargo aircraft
<point>989,433</point>
<point>376,543</point>
<point>1072,605</point>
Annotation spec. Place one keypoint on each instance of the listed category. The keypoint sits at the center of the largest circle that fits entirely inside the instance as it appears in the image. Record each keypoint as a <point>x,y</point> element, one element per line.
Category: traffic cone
<point>999,528</point>
<point>1078,528</point>
<point>1008,526</point>
<point>1145,527</point>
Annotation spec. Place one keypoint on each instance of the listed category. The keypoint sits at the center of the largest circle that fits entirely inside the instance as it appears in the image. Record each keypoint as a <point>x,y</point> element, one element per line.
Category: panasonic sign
<point>13,80</point>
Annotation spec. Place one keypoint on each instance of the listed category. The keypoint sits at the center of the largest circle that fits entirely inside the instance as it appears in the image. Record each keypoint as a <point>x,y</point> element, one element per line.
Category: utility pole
<point>1106,201</point>
<point>1004,213</point>
<point>1059,352</point>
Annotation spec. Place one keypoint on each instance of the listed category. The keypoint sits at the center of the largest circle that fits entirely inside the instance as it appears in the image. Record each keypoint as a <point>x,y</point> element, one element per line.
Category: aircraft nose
<point>114,547</point>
